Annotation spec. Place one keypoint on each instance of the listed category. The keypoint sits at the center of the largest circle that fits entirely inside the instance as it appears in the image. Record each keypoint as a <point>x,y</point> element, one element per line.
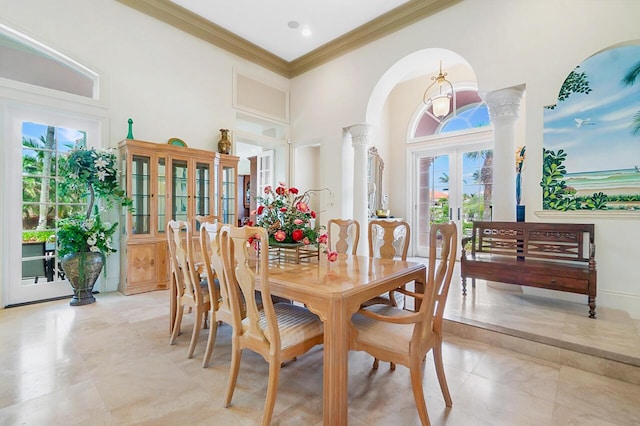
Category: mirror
<point>375,165</point>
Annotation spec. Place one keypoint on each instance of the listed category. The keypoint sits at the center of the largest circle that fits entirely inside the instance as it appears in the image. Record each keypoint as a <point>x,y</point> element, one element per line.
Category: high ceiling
<point>262,32</point>
<point>265,23</point>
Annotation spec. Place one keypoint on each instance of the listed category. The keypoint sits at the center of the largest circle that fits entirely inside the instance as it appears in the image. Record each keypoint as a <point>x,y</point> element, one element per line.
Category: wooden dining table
<point>334,291</point>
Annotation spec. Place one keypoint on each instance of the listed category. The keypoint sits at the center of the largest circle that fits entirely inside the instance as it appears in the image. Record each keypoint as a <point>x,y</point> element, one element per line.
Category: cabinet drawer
<point>553,282</point>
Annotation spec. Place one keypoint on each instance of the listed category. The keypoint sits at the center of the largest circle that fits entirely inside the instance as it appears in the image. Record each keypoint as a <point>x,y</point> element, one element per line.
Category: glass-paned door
<point>433,191</point>
<point>35,143</point>
<point>44,148</point>
<point>477,181</point>
<point>265,171</point>
<point>453,185</point>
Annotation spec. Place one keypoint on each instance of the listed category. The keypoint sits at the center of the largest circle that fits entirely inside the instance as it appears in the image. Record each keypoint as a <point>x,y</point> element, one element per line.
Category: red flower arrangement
<point>286,215</point>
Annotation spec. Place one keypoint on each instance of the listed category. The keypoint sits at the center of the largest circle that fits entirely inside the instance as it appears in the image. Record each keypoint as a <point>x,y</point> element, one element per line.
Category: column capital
<point>360,134</point>
<point>504,103</point>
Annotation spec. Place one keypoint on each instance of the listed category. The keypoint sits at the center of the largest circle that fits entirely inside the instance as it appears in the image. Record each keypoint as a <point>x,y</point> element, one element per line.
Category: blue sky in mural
<point>595,129</point>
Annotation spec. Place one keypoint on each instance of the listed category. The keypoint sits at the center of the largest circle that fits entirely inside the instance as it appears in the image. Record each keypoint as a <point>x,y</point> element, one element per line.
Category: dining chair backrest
<point>181,258</point>
<point>348,235</point>
<point>444,237</point>
<point>241,272</point>
<point>280,331</point>
<point>387,238</point>
<point>385,331</point>
<point>214,268</point>
<point>188,289</point>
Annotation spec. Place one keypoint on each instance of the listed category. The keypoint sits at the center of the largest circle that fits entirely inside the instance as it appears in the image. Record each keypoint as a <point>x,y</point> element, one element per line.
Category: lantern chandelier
<point>441,101</point>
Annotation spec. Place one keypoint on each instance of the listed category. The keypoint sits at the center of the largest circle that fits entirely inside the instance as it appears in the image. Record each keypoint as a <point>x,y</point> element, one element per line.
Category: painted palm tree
<point>628,80</point>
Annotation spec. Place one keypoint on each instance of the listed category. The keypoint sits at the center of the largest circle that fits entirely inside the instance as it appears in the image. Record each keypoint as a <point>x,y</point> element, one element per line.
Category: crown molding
<point>179,17</point>
<point>394,20</point>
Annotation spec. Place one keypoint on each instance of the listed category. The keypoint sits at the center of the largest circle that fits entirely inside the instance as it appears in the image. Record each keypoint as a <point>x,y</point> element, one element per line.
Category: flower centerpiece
<point>286,215</point>
<point>83,239</point>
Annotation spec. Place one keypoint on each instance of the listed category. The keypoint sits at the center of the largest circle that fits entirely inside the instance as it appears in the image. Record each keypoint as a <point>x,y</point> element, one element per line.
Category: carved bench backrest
<point>557,241</point>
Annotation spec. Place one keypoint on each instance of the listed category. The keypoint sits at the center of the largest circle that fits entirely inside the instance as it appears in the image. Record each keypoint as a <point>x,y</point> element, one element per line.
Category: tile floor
<point>117,368</point>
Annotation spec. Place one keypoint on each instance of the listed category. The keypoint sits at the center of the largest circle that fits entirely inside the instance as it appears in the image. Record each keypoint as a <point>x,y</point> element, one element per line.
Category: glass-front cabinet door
<point>228,195</point>
<point>162,195</point>
<point>141,194</point>
<point>180,189</point>
<point>216,189</point>
<point>228,190</point>
<point>203,195</point>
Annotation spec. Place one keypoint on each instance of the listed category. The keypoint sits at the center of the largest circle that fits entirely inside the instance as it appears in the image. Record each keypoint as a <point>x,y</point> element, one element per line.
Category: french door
<point>36,142</point>
<point>452,184</point>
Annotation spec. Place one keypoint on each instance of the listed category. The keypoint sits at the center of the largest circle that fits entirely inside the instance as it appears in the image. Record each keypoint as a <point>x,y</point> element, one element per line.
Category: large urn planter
<point>82,270</point>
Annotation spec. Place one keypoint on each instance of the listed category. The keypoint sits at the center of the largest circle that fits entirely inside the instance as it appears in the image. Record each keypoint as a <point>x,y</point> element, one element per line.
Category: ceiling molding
<point>187,21</point>
<point>394,20</point>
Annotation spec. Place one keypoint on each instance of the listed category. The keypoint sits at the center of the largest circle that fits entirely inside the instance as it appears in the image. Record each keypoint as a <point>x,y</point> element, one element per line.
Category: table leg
<point>336,351</point>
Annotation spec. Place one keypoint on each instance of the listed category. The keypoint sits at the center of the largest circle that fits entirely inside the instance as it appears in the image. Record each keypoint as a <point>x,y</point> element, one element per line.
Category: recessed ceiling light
<point>306,32</point>
<point>293,24</point>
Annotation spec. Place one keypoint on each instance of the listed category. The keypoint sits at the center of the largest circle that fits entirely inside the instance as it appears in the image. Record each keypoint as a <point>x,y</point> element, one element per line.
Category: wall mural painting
<point>591,147</point>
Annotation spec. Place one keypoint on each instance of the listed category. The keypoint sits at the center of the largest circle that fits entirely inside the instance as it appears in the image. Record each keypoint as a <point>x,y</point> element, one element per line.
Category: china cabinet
<point>168,182</point>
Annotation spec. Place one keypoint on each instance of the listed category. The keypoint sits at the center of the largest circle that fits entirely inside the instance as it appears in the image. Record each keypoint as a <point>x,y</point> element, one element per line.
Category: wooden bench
<point>555,256</point>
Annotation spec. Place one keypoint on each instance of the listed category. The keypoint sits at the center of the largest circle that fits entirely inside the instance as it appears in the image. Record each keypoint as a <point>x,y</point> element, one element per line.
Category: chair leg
<point>437,356</point>
<point>234,367</point>
<point>176,325</point>
<point>376,364</point>
<point>197,321</point>
<point>418,392</point>
<point>272,390</point>
<point>210,341</point>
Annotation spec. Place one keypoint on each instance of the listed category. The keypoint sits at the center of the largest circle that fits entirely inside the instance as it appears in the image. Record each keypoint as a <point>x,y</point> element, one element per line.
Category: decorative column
<point>360,136</point>
<point>504,109</point>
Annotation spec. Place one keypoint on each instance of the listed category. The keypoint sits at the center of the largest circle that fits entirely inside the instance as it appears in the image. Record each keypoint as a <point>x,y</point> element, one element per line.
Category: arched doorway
<point>404,84</point>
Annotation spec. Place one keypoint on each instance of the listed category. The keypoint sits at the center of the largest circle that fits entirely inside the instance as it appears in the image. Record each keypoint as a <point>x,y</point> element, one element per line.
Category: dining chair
<point>386,239</point>
<point>220,310</point>
<point>279,331</point>
<point>189,291</point>
<point>348,235</point>
<point>403,337</point>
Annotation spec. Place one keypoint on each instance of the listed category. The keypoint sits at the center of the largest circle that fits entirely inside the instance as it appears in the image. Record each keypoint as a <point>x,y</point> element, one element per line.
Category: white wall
<point>175,85</point>
<point>171,84</point>
<point>506,43</point>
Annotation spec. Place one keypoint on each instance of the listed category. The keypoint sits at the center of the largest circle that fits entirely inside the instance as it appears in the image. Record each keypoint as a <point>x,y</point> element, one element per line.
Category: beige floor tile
<point>79,404</point>
<point>534,376</point>
<point>501,404</point>
<point>117,368</point>
<point>603,397</point>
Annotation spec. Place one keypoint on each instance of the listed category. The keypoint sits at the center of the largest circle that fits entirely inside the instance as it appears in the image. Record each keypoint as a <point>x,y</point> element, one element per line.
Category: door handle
<point>450,213</point>
<point>458,213</point>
